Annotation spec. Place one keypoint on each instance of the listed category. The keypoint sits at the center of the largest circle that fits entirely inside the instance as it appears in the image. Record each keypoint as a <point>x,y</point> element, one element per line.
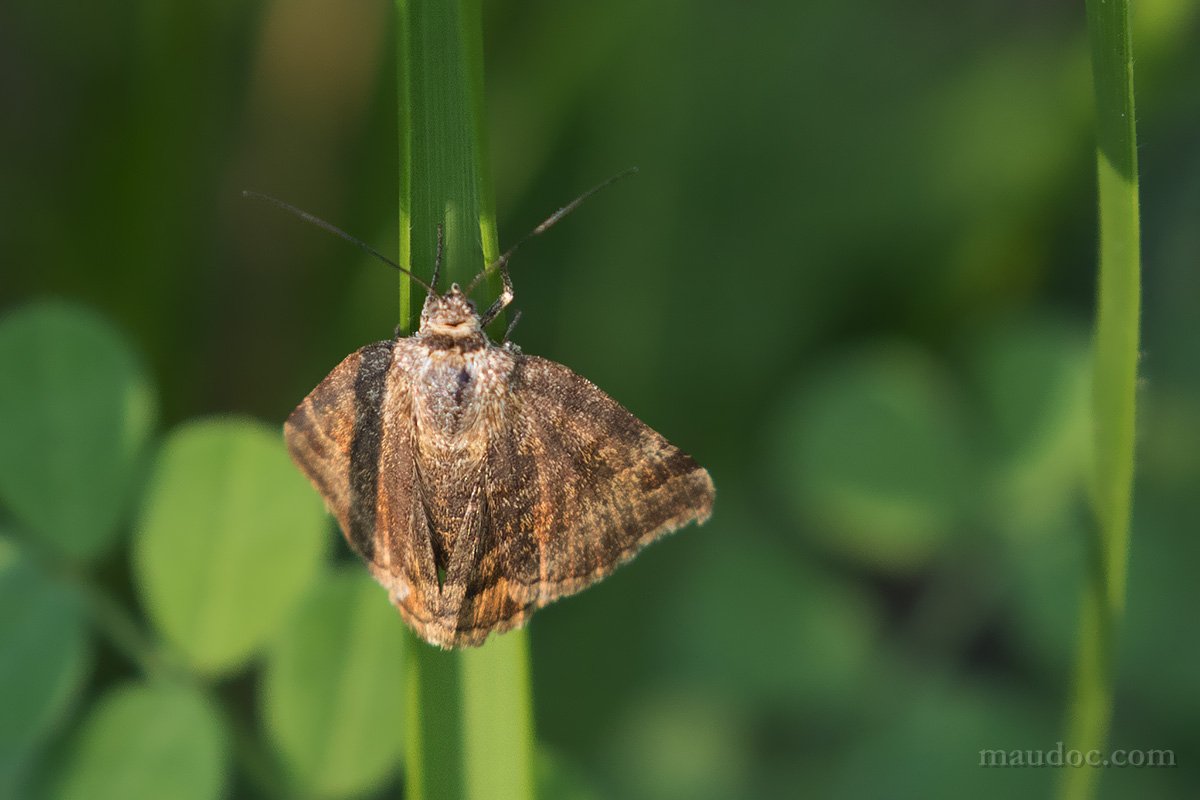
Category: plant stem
<point>124,633</point>
<point>1114,387</point>
<point>470,722</point>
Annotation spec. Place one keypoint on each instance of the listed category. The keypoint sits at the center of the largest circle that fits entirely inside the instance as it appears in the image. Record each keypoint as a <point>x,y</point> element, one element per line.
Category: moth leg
<point>516,317</point>
<point>404,329</point>
<point>506,297</point>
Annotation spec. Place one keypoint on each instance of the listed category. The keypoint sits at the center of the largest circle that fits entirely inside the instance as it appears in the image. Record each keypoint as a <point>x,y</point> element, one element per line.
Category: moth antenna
<point>437,255</point>
<point>545,225</point>
<point>336,231</point>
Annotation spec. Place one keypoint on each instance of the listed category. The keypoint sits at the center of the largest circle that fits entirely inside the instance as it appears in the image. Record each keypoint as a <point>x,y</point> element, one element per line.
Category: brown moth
<point>479,483</point>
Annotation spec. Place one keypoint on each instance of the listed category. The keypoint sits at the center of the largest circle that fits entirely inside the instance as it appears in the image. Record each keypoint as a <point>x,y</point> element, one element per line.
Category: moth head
<point>450,314</point>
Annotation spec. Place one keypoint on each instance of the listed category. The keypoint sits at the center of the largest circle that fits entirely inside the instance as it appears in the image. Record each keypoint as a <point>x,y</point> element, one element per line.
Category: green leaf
<point>231,537</point>
<point>1044,575</point>
<point>1033,377</point>
<point>76,410</point>
<point>560,779</point>
<point>147,741</point>
<point>678,743</point>
<point>820,658</point>
<point>930,737</point>
<point>874,457</point>
<point>43,653</point>
<point>334,688</point>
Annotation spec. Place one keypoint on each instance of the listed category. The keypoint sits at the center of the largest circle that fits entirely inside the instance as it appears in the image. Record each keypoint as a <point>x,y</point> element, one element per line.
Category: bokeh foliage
<point>854,277</point>
<point>227,562</point>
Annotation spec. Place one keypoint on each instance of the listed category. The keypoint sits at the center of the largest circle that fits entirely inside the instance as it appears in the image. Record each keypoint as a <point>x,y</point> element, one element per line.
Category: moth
<point>479,483</point>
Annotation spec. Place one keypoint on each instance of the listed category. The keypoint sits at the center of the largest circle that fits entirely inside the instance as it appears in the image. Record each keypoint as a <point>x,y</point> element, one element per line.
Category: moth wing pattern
<point>319,434</point>
<point>403,560</point>
<point>578,485</point>
<point>572,486</point>
<point>388,529</point>
<point>491,584</point>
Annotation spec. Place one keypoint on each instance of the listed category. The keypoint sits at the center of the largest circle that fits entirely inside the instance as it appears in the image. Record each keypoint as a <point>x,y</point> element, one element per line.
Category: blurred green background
<point>854,277</point>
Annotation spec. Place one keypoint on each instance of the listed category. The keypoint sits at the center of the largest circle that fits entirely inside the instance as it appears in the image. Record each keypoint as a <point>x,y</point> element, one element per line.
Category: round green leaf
<point>873,456</point>
<point>75,413</point>
<point>1034,379</point>
<point>1045,574</point>
<point>820,655</point>
<point>931,736</point>
<point>147,741</point>
<point>559,778</point>
<point>678,743</point>
<point>43,651</point>
<point>334,688</point>
<point>231,536</point>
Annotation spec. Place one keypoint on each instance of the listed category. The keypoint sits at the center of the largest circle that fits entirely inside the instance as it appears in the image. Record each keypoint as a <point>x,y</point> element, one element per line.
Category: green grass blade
<point>443,173</point>
<point>1114,388</point>
<point>498,719</point>
<point>470,718</point>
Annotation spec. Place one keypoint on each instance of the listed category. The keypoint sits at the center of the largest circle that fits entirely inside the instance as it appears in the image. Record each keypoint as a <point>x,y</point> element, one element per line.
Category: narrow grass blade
<point>470,721</point>
<point>1114,388</point>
